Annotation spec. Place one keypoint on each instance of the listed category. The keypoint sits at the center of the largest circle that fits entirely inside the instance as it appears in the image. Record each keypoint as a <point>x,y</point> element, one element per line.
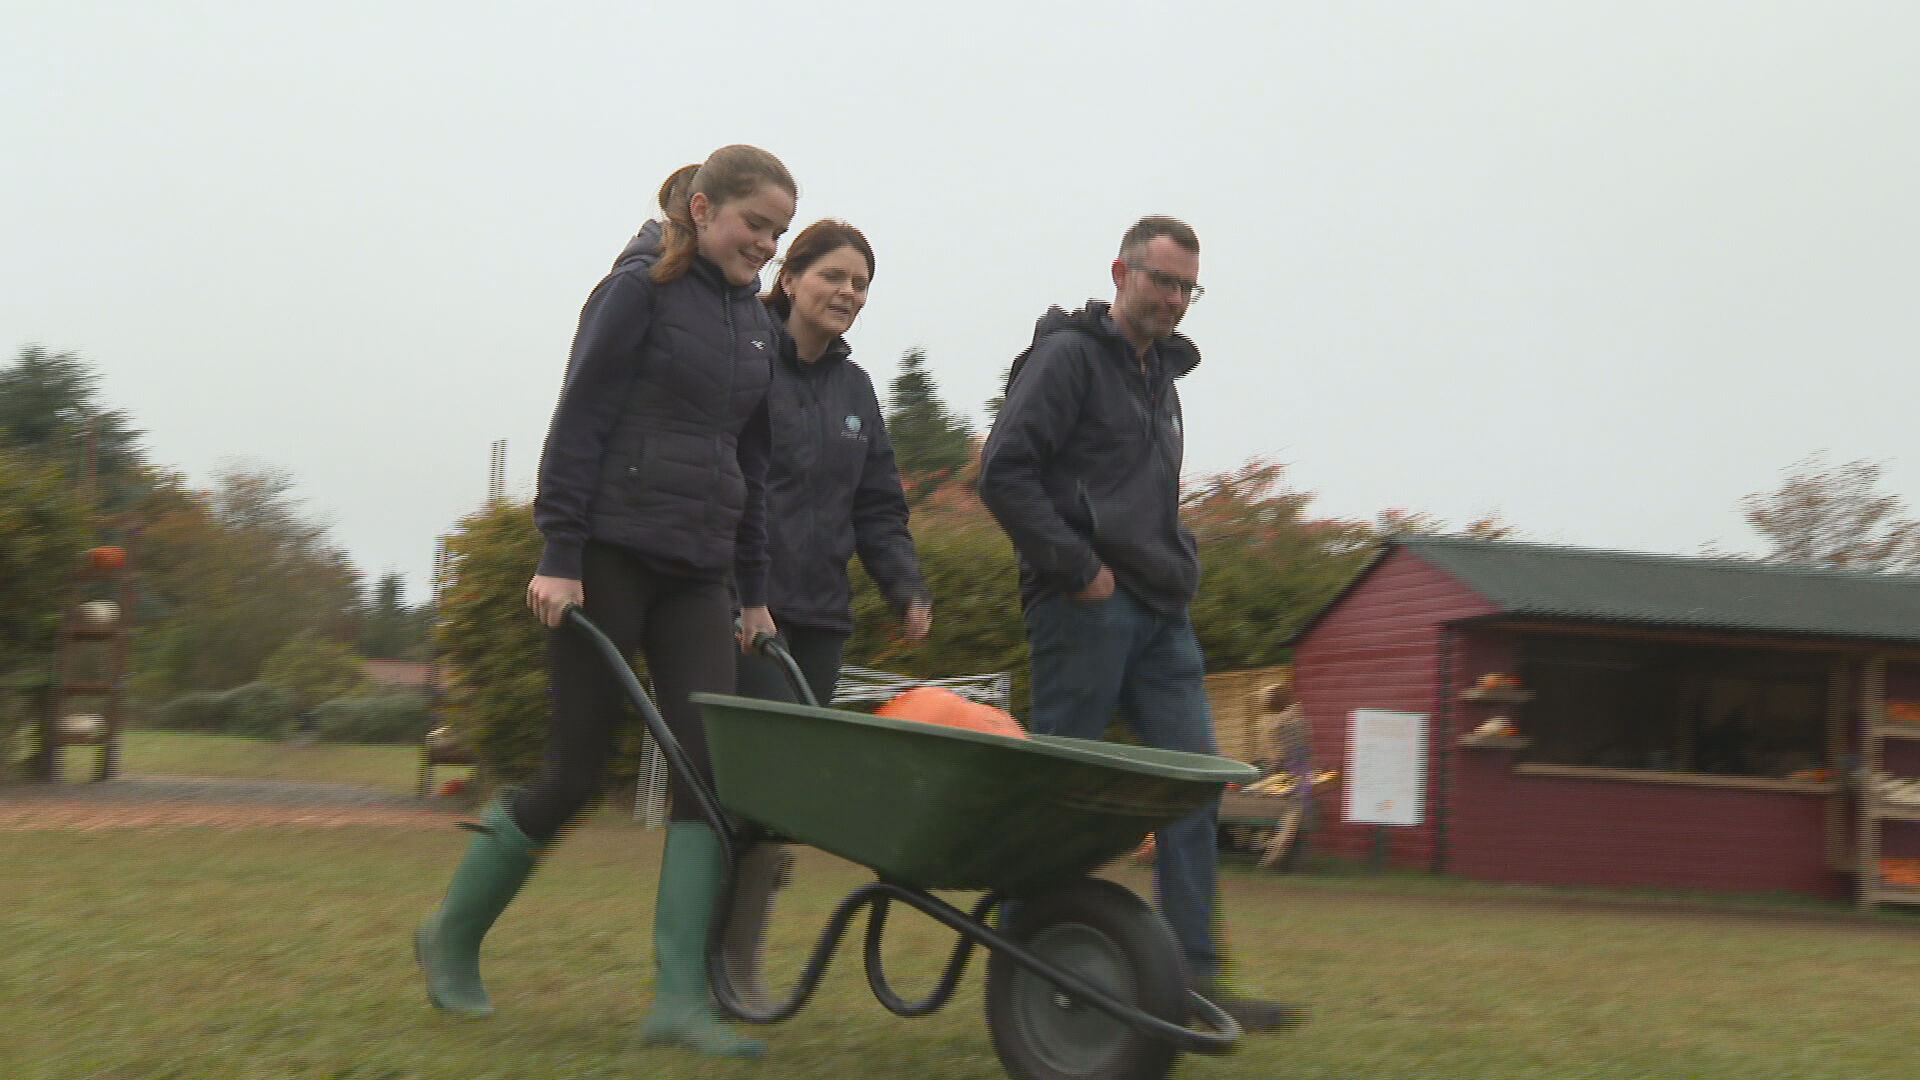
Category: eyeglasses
<point>1190,291</point>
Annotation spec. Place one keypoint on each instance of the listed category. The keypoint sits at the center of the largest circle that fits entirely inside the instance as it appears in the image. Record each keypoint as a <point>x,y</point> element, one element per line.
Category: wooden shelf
<point>1893,894</point>
<point>1495,742</point>
<point>1898,731</point>
<point>1707,780</point>
<point>1239,809</point>
<point>1897,813</point>
<point>1509,697</point>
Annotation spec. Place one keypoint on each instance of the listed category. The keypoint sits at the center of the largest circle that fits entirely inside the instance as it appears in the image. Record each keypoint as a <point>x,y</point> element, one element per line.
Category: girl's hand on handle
<point>549,597</point>
<point>755,621</point>
<point>918,619</point>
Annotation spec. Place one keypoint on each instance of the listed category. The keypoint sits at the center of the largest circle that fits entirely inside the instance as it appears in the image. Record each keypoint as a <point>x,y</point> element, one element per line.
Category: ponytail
<point>731,172</point>
<point>680,241</point>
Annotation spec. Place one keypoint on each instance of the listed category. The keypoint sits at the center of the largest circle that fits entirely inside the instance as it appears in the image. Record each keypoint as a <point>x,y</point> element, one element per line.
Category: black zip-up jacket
<point>659,443</point>
<point>832,489</point>
<point>1082,467</point>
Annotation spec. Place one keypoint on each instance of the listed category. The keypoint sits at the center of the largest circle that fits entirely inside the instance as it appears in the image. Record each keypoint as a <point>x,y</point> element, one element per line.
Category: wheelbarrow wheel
<point>1108,936</point>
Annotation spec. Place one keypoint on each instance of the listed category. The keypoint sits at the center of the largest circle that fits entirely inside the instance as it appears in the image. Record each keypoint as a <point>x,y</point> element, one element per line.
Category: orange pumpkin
<point>105,557</point>
<point>1903,873</point>
<point>938,705</point>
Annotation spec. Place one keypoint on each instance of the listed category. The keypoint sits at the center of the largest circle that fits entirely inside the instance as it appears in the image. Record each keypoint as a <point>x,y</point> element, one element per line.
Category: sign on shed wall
<point>1385,752</point>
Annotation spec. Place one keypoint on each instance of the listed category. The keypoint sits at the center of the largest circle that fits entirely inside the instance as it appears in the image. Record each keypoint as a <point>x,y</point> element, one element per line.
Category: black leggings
<point>684,628</point>
<point>817,652</point>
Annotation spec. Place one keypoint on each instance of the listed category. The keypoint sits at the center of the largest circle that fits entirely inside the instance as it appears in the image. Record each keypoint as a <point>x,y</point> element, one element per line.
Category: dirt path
<point>139,801</point>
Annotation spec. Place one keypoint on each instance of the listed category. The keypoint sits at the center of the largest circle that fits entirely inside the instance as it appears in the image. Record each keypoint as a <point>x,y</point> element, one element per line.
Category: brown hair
<point>729,173</point>
<point>1153,225</point>
<point>815,242</point>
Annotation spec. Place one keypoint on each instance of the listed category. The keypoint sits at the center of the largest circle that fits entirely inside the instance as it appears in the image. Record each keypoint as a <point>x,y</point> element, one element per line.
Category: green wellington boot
<point>682,1014</point>
<point>764,868</point>
<point>448,939</point>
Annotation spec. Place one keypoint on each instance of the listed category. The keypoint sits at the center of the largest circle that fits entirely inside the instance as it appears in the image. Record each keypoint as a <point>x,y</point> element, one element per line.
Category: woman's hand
<point>755,621</point>
<point>549,597</point>
<point>918,619</point>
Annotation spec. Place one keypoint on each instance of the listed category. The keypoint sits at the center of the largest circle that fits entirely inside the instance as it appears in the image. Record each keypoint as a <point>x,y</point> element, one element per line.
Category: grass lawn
<point>272,953</point>
<point>389,768</point>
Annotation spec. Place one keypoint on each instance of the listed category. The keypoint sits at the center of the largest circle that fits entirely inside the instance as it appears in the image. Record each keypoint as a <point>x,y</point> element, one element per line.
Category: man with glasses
<point>1082,469</point>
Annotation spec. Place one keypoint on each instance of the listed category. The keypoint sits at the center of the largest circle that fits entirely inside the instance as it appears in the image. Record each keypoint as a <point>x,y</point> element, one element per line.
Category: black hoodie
<point>1082,468</point>
<point>659,443</point>
<point>832,490</point>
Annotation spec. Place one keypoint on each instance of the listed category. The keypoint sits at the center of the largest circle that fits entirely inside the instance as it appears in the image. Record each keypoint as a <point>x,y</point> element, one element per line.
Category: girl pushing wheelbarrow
<point>652,494</point>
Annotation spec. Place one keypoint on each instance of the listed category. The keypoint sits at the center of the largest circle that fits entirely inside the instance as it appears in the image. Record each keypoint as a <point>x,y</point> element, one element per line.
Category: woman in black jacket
<point>651,496</point>
<point>832,491</point>
<point>832,487</point>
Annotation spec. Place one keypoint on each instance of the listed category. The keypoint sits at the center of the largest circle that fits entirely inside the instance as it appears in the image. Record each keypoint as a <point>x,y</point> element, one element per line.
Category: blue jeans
<point>1095,660</point>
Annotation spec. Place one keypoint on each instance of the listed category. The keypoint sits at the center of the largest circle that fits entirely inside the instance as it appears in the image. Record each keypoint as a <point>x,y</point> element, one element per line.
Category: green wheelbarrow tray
<point>937,807</point>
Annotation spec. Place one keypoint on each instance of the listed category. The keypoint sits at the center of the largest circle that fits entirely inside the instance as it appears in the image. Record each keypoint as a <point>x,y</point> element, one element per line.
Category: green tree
<point>41,537</point>
<point>970,568</point>
<point>999,400</point>
<point>389,629</point>
<point>1834,516</point>
<point>493,652</point>
<point>930,444</point>
<point>42,532</point>
<point>313,670</point>
<point>1266,565</point>
<point>234,574</point>
<point>47,400</point>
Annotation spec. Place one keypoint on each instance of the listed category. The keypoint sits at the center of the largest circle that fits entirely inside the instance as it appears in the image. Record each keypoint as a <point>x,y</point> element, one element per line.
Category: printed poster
<point>1385,752</point>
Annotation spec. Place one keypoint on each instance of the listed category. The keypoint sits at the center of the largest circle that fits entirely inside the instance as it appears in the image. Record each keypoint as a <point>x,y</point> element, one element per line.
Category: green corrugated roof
<point>1534,580</point>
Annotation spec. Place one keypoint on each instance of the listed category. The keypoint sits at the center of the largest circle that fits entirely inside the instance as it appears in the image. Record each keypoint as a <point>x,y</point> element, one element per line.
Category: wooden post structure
<point>89,667</point>
<point>497,472</point>
<point>1873,695</point>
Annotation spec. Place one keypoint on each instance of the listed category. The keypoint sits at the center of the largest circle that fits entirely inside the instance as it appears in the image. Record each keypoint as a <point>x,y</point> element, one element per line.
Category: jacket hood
<point>643,250</point>
<point>1058,318</point>
<point>1177,350</point>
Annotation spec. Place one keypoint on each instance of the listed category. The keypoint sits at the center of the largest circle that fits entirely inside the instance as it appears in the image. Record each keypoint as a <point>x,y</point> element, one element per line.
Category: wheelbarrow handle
<point>576,616</point>
<point>771,647</point>
<point>732,841</point>
<point>774,649</point>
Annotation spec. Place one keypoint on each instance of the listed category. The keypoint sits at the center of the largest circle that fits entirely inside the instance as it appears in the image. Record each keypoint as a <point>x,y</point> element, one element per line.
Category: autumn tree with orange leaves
<point>1833,516</point>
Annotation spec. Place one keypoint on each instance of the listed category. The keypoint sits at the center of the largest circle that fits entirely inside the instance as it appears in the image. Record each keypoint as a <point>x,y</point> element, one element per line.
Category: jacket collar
<point>709,272</point>
<point>1178,354</point>
<point>837,351</point>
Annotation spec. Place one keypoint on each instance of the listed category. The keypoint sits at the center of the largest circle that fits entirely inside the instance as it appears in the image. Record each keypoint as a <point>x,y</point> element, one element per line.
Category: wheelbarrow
<point>1085,981</point>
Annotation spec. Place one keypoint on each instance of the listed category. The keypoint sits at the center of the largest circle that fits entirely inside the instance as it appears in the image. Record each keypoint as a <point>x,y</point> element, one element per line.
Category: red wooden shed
<point>1619,719</point>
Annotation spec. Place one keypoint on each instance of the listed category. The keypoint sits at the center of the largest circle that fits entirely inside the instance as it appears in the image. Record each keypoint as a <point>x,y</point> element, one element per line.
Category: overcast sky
<point>1602,268</point>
